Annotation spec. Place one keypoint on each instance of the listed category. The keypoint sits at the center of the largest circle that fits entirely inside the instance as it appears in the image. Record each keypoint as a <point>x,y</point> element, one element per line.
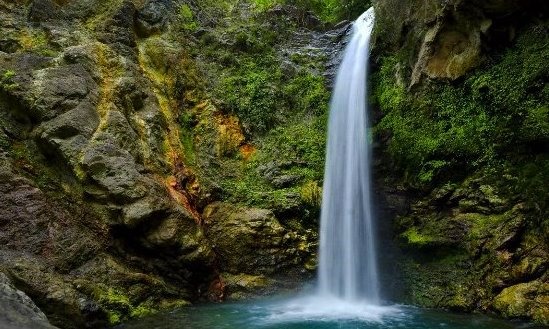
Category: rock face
<point>444,39</point>
<point>155,153</point>
<point>104,167</point>
<point>528,299</point>
<point>18,310</point>
<point>252,240</point>
<point>470,213</point>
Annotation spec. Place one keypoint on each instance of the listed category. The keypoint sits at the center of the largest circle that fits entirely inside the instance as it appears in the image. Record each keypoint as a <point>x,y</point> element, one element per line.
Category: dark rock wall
<point>155,153</point>
<point>456,87</point>
<point>108,133</point>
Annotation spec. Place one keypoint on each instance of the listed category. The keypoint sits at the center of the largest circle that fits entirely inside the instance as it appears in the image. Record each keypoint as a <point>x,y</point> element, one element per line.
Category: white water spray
<point>348,266</point>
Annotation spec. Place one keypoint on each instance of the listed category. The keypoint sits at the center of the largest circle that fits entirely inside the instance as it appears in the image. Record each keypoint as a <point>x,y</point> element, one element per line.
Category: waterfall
<point>348,266</point>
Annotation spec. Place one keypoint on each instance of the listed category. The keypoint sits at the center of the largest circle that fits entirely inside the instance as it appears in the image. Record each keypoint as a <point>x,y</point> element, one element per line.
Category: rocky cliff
<point>155,153</point>
<point>463,151</point>
<point>152,153</point>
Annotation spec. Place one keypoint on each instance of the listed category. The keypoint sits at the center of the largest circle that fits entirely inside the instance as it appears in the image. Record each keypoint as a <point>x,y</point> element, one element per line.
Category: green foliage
<point>536,124</point>
<point>265,4</point>
<point>351,9</point>
<point>413,237</point>
<point>307,93</point>
<point>311,193</point>
<point>255,89</point>
<point>186,16</point>
<point>6,81</point>
<point>497,110</point>
<point>282,113</point>
<point>300,142</point>
<point>251,93</point>
<point>327,10</point>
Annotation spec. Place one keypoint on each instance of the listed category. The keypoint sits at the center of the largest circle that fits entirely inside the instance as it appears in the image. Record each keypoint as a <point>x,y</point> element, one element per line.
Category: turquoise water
<point>302,314</point>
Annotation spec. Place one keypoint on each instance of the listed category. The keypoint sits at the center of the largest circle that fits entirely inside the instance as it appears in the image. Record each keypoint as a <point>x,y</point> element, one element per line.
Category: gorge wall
<point>463,141</point>
<point>156,153</point>
<point>159,152</point>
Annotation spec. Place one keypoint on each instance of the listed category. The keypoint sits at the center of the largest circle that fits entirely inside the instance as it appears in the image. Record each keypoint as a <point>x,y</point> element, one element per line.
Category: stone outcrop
<point>469,208</point>
<point>100,213</point>
<point>18,310</point>
<point>445,40</point>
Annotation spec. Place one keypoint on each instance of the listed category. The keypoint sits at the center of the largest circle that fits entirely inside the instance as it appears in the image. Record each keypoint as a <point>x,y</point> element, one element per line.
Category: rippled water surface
<point>315,313</point>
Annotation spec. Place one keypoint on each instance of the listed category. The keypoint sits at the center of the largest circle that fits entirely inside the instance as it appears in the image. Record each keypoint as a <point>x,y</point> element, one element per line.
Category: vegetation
<point>468,124</point>
<point>186,16</point>
<point>329,11</point>
<point>6,81</point>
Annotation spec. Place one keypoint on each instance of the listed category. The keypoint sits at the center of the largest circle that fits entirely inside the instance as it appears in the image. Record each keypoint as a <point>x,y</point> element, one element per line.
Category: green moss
<point>115,304</point>
<point>6,81</point>
<point>186,16</point>
<point>37,41</point>
<point>142,310</point>
<point>525,299</point>
<point>414,237</point>
<point>494,112</point>
<point>118,305</point>
<point>311,193</point>
<point>481,225</point>
<point>440,280</point>
<point>327,10</point>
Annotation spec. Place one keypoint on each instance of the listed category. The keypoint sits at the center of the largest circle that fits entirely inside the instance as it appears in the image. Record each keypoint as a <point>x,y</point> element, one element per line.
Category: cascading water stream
<point>348,266</point>
<point>348,277</point>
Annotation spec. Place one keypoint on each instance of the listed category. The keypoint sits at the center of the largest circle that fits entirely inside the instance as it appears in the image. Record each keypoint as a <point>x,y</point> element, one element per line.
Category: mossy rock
<point>525,300</point>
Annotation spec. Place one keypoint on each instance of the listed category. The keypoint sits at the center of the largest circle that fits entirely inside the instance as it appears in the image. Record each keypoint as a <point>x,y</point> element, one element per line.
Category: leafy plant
<point>186,16</point>
<point>6,81</point>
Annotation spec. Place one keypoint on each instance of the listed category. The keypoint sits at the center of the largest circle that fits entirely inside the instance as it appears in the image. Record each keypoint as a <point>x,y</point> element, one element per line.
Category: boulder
<point>56,90</point>
<point>114,169</point>
<point>18,310</point>
<point>250,240</point>
<point>152,18</point>
<point>31,221</point>
<point>242,286</point>
<point>529,299</point>
<point>118,30</point>
<point>56,295</point>
<point>44,10</point>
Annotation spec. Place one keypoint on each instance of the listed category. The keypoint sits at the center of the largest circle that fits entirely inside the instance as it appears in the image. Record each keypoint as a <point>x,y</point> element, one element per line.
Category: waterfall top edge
<point>366,20</point>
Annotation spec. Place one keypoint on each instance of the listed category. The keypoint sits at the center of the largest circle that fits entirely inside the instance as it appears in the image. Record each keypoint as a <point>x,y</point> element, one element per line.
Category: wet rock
<point>56,296</point>
<point>525,299</point>
<point>152,18</point>
<point>272,172</point>
<point>57,90</point>
<point>449,51</point>
<point>118,30</point>
<point>284,181</point>
<point>249,240</point>
<point>298,15</point>
<point>242,286</point>
<point>44,10</point>
<point>114,169</point>
<point>155,205</point>
<point>30,221</point>
<point>269,171</point>
<point>9,45</point>
<point>18,310</point>
<point>186,240</point>
<point>67,135</point>
<point>117,126</point>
